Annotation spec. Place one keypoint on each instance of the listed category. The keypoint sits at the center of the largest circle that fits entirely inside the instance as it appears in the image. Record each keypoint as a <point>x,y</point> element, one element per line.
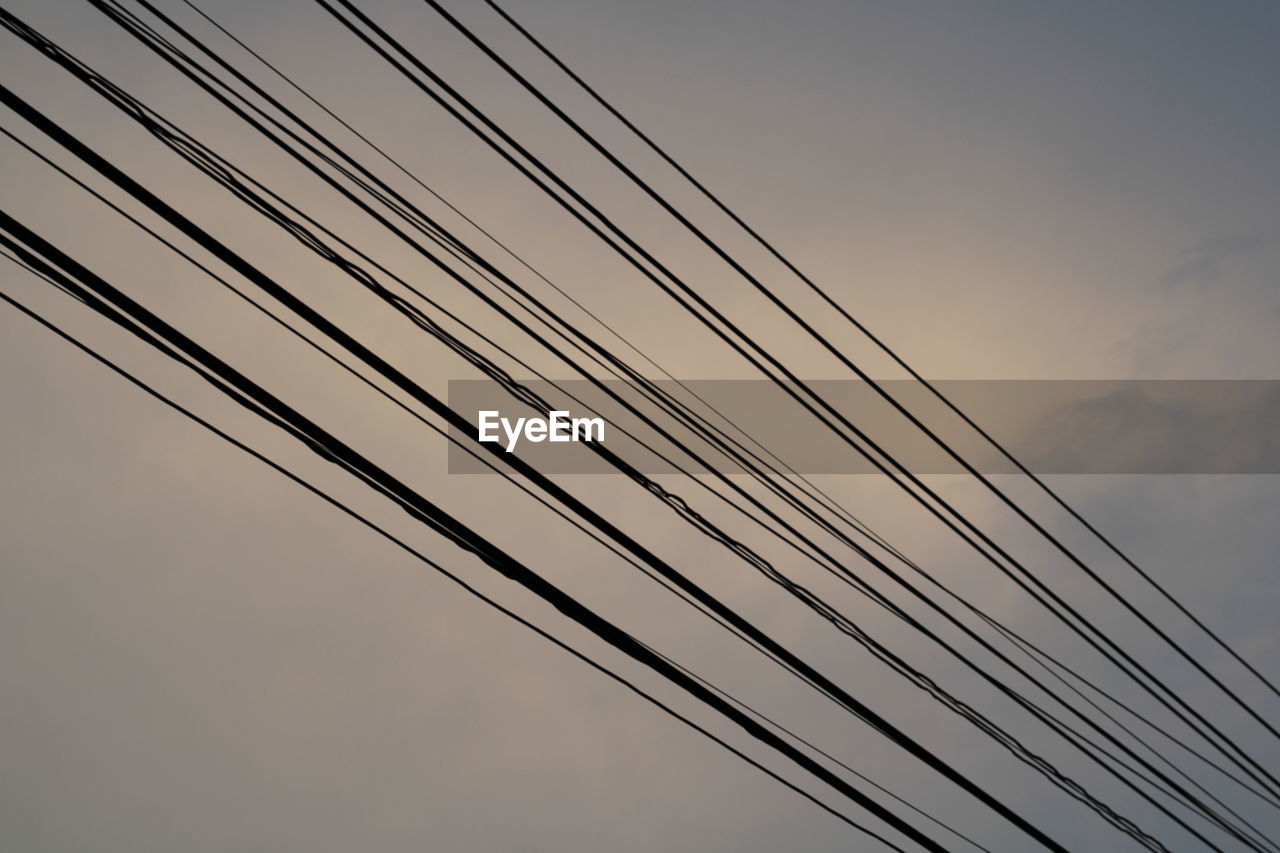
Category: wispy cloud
<point>1203,264</point>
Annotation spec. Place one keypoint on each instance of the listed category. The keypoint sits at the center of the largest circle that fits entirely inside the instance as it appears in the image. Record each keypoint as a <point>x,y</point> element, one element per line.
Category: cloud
<point>1205,262</point>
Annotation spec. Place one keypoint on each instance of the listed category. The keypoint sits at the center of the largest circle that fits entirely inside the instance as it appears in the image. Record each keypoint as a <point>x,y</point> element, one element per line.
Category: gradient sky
<point>196,656</point>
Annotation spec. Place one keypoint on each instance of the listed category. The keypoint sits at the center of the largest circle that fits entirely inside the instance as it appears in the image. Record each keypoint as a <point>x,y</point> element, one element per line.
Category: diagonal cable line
<point>1075,791</point>
<point>827,345</point>
<point>634,564</point>
<point>884,347</point>
<point>400,543</point>
<point>595,519</point>
<point>947,514</point>
<point>1019,643</point>
<point>46,258</point>
<point>630,549</point>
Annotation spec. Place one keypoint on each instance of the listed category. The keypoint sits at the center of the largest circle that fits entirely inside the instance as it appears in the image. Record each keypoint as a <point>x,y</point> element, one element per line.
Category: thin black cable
<point>760,287</point>
<point>834,304</point>
<point>1074,790</point>
<point>933,690</point>
<point>456,579</point>
<point>548,486</point>
<point>1163,688</point>
<point>813,332</point>
<point>814,491</point>
<point>823,498</point>
<point>461,445</point>
<point>46,258</point>
<point>480,458</point>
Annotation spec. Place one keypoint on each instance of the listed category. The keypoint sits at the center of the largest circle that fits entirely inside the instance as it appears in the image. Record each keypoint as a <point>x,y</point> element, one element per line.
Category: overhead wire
<point>1057,778</point>
<point>400,543</point>
<point>884,347</point>
<point>1019,643</point>
<point>297,306</point>
<point>312,343</point>
<point>1089,632</point>
<point>812,331</point>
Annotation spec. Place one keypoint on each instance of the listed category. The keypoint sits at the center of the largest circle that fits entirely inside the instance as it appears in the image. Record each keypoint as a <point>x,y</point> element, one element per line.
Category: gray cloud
<point>1207,260</point>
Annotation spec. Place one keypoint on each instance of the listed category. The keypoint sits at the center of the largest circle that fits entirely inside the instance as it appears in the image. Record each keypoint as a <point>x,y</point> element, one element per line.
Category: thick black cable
<point>479,457</point>
<point>548,486</point>
<point>834,304</point>
<point>463,584</point>
<point>1075,791</point>
<point>462,446</point>
<point>815,492</point>
<point>834,351</point>
<point>38,253</point>
<point>453,439</point>
<point>793,379</point>
<point>382,391</point>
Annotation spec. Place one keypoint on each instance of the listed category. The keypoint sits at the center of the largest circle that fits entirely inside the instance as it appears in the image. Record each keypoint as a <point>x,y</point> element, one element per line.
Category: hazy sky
<point>195,655</point>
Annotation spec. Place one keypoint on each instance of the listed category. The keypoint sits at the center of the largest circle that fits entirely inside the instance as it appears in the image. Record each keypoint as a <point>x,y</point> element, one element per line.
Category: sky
<point>195,655</point>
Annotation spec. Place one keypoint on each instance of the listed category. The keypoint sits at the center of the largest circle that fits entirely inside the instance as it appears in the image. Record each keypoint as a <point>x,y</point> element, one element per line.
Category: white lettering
<point>592,429</point>
<point>488,423</point>
<point>513,435</point>
<point>558,427</point>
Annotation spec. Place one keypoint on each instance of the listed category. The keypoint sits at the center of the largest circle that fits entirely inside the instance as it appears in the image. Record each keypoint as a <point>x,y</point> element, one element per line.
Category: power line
<point>589,515</point>
<point>834,304</point>
<point>1089,632</point>
<point>933,689</point>
<point>106,299</point>
<point>191,146</point>
<point>1019,643</point>
<point>826,344</point>
<point>463,584</point>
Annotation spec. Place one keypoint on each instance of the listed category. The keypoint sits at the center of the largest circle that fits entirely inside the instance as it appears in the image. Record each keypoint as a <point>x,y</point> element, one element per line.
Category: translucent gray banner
<point>1052,426</point>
